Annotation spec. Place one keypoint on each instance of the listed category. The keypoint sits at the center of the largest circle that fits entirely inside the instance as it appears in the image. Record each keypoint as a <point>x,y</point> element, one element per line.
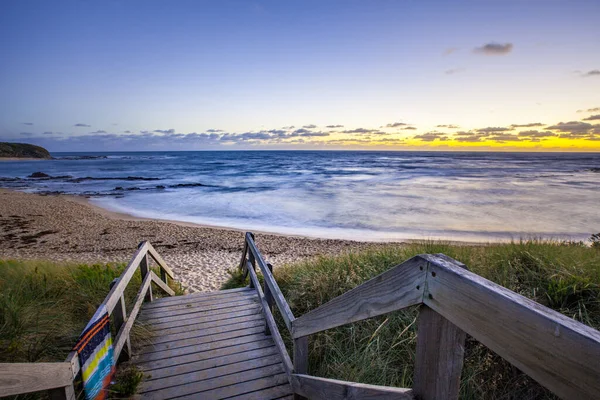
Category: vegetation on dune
<point>45,306</point>
<point>23,150</point>
<point>381,350</point>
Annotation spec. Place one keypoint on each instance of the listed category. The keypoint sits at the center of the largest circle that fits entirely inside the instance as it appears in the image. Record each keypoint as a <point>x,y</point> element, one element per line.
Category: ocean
<point>358,195</point>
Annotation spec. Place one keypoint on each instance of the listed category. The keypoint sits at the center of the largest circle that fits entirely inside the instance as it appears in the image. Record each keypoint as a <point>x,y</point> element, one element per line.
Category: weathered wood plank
<point>223,357</point>
<point>558,352</point>
<point>241,343</point>
<point>275,392</point>
<point>206,332</point>
<point>397,288</point>
<point>237,389</point>
<point>112,298</point>
<point>186,321</point>
<point>205,325</point>
<point>159,260</point>
<point>287,363</point>
<point>122,337</point>
<point>191,304</point>
<point>194,298</point>
<point>193,309</point>
<point>440,352</point>
<point>161,321</point>
<point>316,388</point>
<point>18,378</point>
<point>205,374</point>
<point>284,308</point>
<point>202,339</point>
<point>439,357</point>
<point>161,284</point>
<point>216,387</point>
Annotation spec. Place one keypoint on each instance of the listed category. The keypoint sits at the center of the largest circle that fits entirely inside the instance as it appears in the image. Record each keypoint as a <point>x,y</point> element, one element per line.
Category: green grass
<point>381,350</point>
<point>44,307</point>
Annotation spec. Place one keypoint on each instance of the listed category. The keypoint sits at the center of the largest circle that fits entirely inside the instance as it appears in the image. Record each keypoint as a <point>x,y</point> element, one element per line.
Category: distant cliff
<point>22,150</point>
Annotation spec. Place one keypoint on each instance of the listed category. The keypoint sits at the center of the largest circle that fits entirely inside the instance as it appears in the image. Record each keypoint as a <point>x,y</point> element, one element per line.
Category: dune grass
<point>381,350</point>
<point>44,307</point>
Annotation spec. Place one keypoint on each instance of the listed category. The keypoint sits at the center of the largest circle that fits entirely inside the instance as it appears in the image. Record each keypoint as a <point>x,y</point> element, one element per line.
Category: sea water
<point>359,195</point>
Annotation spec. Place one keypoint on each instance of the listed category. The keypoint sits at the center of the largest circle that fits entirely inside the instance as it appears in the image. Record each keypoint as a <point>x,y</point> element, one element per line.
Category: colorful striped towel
<point>95,351</point>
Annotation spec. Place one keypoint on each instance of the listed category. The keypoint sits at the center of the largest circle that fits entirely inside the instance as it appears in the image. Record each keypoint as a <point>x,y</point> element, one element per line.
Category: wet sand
<point>70,229</point>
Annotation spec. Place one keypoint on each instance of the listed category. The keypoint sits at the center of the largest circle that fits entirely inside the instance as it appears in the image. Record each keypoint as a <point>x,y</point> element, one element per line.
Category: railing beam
<point>300,360</point>
<point>144,269</point>
<point>119,317</point>
<point>269,300</point>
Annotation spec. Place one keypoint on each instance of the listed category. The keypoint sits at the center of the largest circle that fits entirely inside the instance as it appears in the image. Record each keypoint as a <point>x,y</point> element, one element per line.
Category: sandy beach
<point>68,228</point>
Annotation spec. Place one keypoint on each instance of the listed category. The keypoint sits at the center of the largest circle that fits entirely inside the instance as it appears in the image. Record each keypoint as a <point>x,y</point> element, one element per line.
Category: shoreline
<point>66,228</point>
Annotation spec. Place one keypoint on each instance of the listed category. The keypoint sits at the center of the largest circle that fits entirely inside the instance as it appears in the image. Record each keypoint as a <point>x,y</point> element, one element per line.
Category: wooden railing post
<point>144,269</point>
<point>63,393</point>
<point>253,266</point>
<point>439,355</point>
<point>300,359</point>
<point>119,317</point>
<point>269,299</point>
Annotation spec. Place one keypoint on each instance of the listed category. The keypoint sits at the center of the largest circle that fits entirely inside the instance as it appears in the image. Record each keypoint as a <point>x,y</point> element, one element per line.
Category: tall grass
<point>381,350</point>
<point>45,306</point>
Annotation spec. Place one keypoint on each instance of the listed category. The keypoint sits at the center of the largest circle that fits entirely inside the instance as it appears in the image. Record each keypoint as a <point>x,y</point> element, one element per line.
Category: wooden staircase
<point>210,346</point>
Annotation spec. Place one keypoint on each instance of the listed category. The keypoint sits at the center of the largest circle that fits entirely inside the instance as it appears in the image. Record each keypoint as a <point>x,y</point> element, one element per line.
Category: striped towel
<point>95,351</point>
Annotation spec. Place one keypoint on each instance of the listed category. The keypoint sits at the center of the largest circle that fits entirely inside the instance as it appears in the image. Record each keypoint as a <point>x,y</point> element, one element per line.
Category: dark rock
<point>595,169</point>
<point>127,178</point>
<point>160,187</point>
<point>180,185</point>
<point>118,188</point>
<point>39,175</point>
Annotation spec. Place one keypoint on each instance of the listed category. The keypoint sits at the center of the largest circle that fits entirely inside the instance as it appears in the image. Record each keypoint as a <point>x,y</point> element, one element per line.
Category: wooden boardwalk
<point>210,346</point>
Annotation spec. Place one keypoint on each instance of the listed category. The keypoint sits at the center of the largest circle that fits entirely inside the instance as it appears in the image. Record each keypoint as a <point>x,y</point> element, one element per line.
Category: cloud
<point>594,72</point>
<point>431,136</point>
<point>289,127</point>
<point>214,130</point>
<point>127,132</point>
<point>98,132</point>
<point>454,71</point>
<point>590,110</point>
<point>573,127</point>
<point>469,139</point>
<point>334,126</point>
<point>28,123</point>
<point>449,126</point>
<point>311,126</point>
<point>505,138</point>
<point>362,131</point>
<point>26,134</point>
<point>83,125</point>
<point>168,131</point>
<point>449,51</point>
<point>494,49</point>
<point>493,129</point>
<point>408,128</point>
<point>537,134</point>
<point>395,125</point>
<point>531,125</point>
<point>47,133</point>
<point>592,118</point>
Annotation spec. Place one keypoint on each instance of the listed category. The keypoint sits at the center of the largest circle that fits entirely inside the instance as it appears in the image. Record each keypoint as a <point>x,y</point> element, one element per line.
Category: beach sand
<point>70,229</point>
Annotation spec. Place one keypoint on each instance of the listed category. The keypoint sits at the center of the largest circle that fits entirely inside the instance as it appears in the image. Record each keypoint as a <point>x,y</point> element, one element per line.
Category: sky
<point>396,75</point>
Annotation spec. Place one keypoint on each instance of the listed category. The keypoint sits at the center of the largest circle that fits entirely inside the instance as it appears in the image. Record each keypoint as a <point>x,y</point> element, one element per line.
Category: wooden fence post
<point>269,299</point>
<point>300,359</point>
<point>439,355</point>
<point>252,265</point>
<point>144,269</point>
<point>119,318</point>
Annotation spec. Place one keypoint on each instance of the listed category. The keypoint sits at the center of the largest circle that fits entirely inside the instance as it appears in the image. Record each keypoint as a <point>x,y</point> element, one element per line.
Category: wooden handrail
<point>21,378</point>
<point>282,304</point>
<point>555,350</point>
<point>400,287</point>
<point>287,363</point>
<point>560,353</point>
